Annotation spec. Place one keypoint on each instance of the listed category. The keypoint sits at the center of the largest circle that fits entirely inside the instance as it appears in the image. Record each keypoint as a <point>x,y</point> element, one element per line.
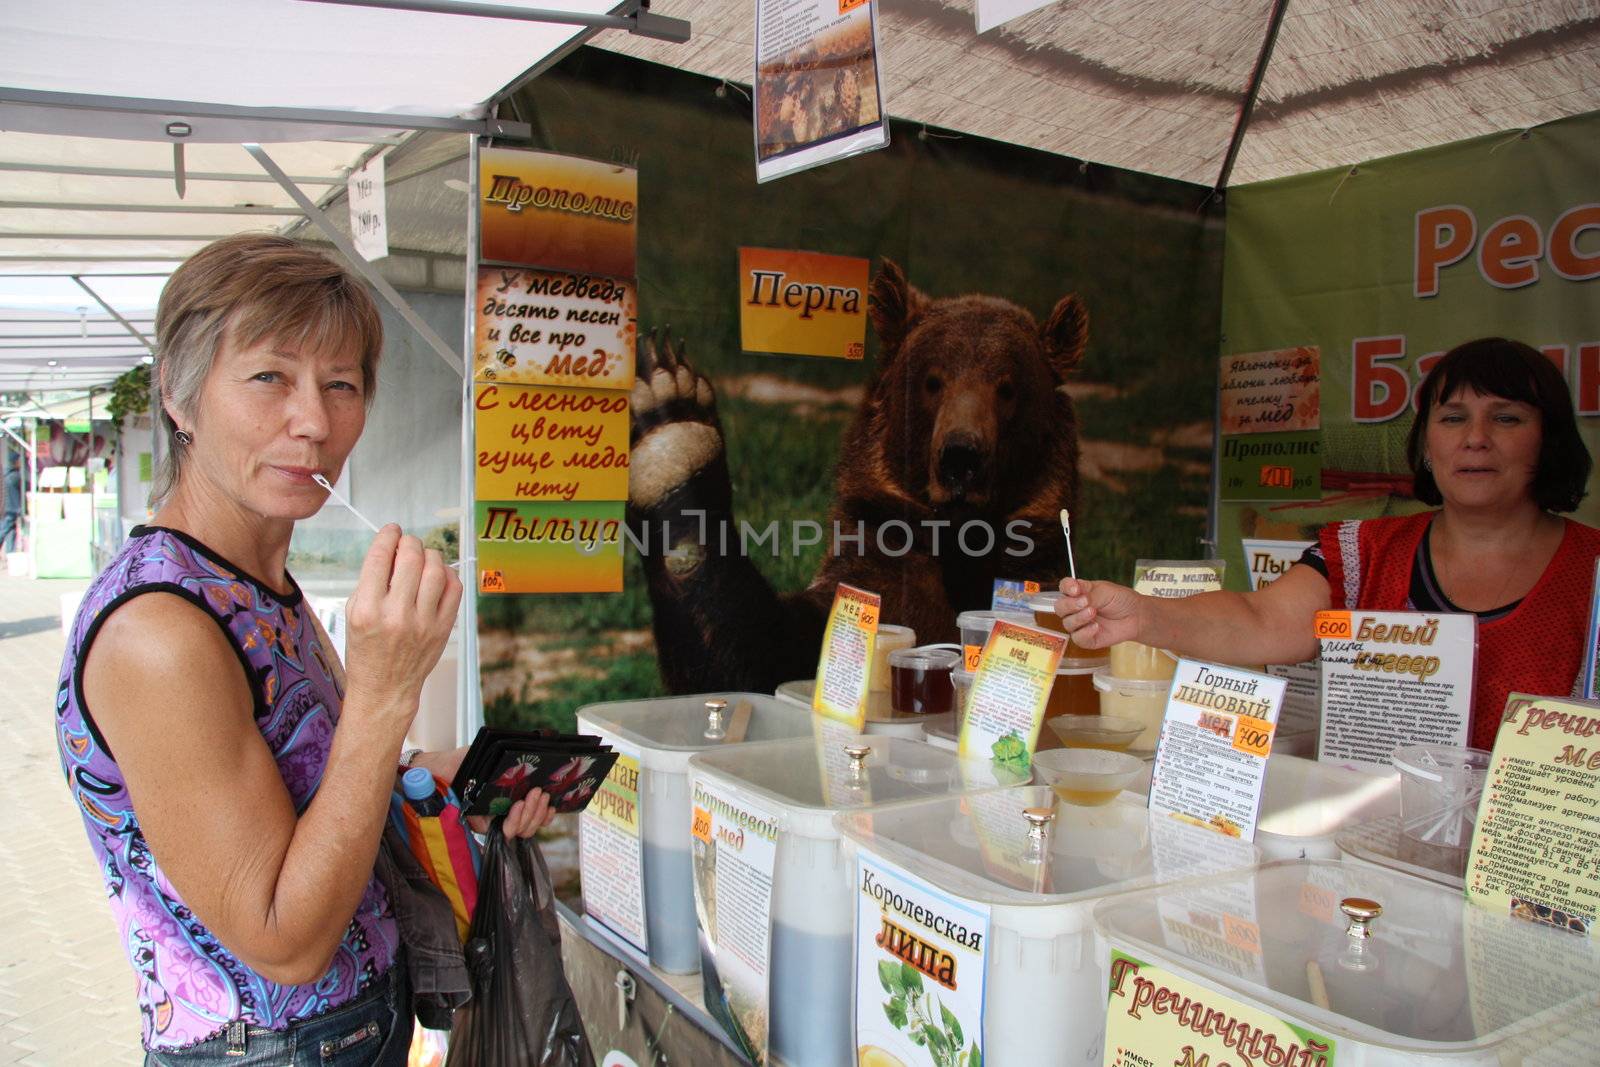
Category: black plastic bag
<point>522,1012</point>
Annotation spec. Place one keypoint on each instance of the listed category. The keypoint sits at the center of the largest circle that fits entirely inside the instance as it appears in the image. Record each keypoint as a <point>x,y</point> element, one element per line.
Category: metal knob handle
<point>715,730</point>
<point>858,759</point>
<point>1361,912</point>
<point>1039,820</point>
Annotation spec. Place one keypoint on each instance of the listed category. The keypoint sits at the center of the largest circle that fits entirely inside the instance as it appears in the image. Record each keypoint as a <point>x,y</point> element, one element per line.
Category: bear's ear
<point>1065,334</point>
<point>893,305</point>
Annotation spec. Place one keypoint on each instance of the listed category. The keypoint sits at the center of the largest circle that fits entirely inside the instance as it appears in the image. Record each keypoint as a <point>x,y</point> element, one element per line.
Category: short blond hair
<point>248,288</point>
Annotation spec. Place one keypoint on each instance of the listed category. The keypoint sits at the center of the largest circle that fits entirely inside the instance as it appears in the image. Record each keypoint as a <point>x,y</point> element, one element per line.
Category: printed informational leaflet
<point>1006,704</point>
<point>844,672</point>
<point>1536,848</point>
<point>1391,679</point>
<point>1155,1017</point>
<point>1211,763</point>
<point>735,850</point>
<point>919,970</point>
<point>818,96</point>
<point>1174,578</point>
<point>610,852</point>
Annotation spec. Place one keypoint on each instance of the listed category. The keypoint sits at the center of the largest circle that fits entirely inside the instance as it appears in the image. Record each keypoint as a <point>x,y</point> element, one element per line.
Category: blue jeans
<point>374,1030</point>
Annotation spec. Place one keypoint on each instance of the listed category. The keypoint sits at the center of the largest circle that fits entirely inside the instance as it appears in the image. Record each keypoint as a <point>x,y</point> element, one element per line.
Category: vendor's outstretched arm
<point>1271,625</point>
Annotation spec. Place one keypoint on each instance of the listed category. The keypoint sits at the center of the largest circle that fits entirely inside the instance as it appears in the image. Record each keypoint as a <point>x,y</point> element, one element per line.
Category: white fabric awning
<point>88,175</point>
<point>1156,85</point>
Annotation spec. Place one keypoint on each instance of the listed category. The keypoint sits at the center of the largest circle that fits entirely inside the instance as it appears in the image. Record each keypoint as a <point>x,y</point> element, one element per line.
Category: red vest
<point>1535,649</point>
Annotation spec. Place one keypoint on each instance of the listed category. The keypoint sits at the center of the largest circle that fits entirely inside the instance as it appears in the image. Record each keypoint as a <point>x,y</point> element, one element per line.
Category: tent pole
<point>358,261</point>
<point>469,690</point>
<point>639,20</point>
<point>126,325</point>
<point>1274,22</point>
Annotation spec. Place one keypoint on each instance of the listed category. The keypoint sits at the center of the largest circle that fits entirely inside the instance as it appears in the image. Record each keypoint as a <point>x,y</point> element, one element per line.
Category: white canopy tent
<point>123,123</point>
<point>1158,86</point>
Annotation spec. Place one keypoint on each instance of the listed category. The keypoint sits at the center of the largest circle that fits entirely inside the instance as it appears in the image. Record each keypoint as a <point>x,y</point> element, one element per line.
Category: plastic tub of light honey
<point>1132,660</point>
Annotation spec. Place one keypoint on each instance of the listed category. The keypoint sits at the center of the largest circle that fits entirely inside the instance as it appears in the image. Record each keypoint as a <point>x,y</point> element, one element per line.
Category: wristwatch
<point>408,758</point>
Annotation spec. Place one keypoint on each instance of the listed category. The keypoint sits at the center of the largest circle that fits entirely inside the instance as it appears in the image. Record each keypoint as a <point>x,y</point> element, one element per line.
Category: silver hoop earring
<point>183,437</point>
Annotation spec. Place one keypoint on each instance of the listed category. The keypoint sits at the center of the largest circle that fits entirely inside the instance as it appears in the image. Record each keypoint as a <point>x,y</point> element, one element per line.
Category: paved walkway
<point>66,991</point>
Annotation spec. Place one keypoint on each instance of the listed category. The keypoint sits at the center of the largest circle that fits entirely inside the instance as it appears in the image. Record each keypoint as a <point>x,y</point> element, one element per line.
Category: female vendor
<point>1495,447</point>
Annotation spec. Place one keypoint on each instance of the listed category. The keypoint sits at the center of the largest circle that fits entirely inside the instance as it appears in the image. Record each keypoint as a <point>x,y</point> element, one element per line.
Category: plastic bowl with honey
<point>1087,777</point>
<point>1095,731</point>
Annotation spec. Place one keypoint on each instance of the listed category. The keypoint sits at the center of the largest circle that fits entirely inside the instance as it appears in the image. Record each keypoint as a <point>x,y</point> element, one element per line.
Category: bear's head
<point>967,396</point>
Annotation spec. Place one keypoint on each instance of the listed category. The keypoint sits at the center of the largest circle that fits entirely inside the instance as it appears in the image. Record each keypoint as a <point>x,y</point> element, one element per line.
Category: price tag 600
<point>1334,625</point>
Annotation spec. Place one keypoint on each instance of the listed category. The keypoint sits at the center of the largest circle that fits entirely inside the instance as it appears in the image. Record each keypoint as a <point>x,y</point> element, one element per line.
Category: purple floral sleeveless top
<point>190,986</point>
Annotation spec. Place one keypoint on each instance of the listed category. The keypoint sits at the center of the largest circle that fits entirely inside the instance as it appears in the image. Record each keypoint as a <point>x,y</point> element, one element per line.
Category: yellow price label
<point>1253,736</point>
<point>847,6</point>
<point>701,826</point>
<point>971,654</point>
<point>1334,625</point>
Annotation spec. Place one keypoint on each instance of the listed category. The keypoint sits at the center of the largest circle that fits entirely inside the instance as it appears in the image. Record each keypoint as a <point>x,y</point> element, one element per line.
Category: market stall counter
<point>1370,967</point>
<point>770,870</point>
<point>648,870</point>
<point>1017,873</point>
<point>634,1009</point>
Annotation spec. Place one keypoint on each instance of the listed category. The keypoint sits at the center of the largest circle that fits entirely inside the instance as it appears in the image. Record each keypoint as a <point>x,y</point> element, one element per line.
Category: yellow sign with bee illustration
<point>537,327</point>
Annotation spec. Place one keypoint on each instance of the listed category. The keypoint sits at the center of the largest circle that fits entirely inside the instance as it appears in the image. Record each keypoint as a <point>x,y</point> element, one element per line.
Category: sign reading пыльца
<point>1391,679</point>
<point>610,851</point>
<point>1536,847</point>
<point>1155,1017</point>
<point>920,957</point>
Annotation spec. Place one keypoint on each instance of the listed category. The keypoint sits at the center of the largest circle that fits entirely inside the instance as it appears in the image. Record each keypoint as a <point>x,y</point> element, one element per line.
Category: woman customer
<point>233,779</point>
<point>1496,446</point>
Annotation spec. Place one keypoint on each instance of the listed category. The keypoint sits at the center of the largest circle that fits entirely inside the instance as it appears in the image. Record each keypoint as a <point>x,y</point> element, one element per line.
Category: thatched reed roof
<point>1156,85</point>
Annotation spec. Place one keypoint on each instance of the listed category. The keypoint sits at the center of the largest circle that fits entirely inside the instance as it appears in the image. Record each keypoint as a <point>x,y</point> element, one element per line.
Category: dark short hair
<point>1495,366</point>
